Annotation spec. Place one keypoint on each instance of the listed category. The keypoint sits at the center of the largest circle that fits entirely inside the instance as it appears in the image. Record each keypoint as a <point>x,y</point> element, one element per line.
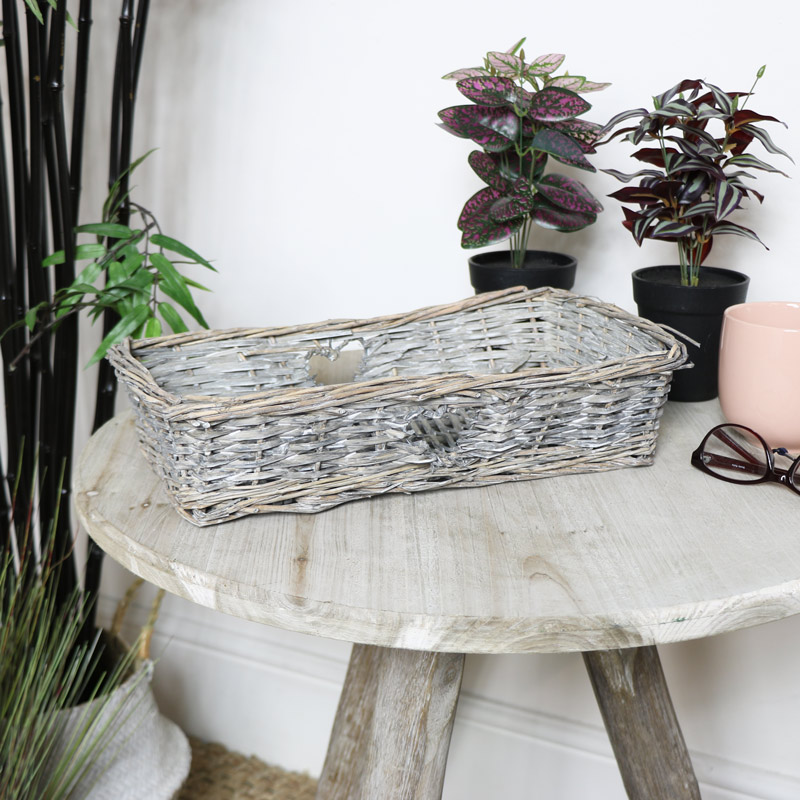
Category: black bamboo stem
<point>19,419</point>
<point>140,30</point>
<point>60,406</point>
<point>38,290</point>
<point>128,62</point>
<point>79,105</point>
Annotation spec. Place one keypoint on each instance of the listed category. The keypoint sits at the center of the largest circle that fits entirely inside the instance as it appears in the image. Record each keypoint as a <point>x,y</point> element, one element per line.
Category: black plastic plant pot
<point>695,311</point>
<point>491,271</point>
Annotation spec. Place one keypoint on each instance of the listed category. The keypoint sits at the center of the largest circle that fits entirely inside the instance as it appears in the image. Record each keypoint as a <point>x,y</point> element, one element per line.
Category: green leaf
<point>54,6</point>
<point>172,318</point>
<point>125,327</point>
<point>32,314</point>
<point>35,10</point>
<point>173,284</point>
<point>54,258</point>
<point>110,229</point>
<point>174,246</point>
<point>113,202</point>
<point>196,285</point>
<point>89,274</point>
<point>85,251</point>
<point>116,274</point>
<point>152,328</point>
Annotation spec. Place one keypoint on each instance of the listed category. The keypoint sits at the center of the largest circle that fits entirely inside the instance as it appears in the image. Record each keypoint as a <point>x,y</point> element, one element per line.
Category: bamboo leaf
<point>195,285</point>
<point>152,328</point>
<point>32,314</point>
<point>174,286</point>
<point>112,230</point>
<point>35,10</point>
<point>54,258</point>
<point>87,251</point>
<point>172,318</point>
<point>54,6</point>
<point>125,327</point>
<point>174,246</point>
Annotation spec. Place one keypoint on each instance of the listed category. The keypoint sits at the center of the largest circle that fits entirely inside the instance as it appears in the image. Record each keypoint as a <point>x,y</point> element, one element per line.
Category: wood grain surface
<point>609,560</point>
<point>392,730</point>
<point>640,719</point>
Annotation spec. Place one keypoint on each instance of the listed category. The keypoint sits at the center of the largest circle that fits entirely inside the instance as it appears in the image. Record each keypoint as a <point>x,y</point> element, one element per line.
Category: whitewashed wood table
<point>610,564</point>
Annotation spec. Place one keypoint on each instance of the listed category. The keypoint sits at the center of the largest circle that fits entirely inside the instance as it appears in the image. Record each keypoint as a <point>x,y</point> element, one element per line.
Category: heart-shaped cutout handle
<point>329,367</point>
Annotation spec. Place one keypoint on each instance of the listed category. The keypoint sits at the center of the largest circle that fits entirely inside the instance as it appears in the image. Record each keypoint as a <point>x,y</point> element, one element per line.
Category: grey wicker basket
<point>509,385</point>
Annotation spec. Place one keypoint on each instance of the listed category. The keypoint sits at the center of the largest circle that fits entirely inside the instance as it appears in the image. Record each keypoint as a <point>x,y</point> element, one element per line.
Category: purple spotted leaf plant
<point>522,115</point>
<point>695,174</point>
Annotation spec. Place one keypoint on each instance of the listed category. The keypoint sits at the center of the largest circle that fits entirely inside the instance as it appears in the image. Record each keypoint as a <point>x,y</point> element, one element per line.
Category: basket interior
<point>535,333</point>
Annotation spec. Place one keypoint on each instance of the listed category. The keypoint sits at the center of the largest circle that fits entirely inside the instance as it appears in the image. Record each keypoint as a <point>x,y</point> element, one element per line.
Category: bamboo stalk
<point>79,105</point>
<point>65,341</point>
<point>19,419</point>
<point>125,80</point>
<point>140,30</point>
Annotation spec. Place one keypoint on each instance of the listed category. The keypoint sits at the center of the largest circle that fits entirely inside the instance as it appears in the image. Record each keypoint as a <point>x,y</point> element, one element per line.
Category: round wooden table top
<point>615,559</point>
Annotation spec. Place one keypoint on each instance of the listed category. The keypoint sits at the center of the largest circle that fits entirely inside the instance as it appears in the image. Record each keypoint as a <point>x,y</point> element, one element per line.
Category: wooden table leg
<point>392,729</point>
<point>641,723</point>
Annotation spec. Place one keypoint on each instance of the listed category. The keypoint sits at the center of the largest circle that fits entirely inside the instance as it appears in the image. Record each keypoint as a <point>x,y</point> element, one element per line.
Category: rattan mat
<point>220,774</point>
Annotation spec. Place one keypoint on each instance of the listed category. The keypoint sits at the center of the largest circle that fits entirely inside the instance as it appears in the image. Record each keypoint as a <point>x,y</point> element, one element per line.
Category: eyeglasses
<point>737,454</point>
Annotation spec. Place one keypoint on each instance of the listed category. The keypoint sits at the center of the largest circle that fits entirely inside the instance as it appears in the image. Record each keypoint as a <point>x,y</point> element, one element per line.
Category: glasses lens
<point>736,454</point>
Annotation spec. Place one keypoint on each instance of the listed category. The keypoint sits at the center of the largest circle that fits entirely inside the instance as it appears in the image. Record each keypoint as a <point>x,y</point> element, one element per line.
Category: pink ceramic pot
<point>759,370</point>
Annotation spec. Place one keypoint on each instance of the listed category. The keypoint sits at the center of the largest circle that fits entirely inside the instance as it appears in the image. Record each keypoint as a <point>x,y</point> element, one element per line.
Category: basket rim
<point>672,355</point>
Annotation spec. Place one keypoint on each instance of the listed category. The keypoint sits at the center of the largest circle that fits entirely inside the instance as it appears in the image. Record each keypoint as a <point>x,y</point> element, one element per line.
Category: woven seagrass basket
<point>509,385</point>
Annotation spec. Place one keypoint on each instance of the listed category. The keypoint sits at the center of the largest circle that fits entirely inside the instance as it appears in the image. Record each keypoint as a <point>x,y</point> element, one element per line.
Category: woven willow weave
<point>508,385</point>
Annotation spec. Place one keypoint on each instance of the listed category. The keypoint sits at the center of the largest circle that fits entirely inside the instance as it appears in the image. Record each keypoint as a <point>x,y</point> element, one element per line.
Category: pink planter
<point>759,370</point>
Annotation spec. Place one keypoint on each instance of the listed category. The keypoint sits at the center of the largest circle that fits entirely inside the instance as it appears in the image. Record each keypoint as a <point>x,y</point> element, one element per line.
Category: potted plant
<point>522,114</point>
<point>695,178</point>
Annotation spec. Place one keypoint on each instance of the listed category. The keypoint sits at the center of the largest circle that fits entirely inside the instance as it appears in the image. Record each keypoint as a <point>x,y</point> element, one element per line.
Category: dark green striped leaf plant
<point>696,169</point>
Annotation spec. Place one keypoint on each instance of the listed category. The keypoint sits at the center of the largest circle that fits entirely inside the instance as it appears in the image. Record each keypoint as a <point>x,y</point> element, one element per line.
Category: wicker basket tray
<point>509,385</point>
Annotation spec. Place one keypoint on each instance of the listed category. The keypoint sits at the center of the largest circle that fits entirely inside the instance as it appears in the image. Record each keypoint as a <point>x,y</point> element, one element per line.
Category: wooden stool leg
<point>392,729</point>
<point>641,723</point>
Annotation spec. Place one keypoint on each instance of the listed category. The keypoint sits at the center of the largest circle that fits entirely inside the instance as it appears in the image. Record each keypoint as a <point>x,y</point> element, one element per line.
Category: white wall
<point>298,148</point>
